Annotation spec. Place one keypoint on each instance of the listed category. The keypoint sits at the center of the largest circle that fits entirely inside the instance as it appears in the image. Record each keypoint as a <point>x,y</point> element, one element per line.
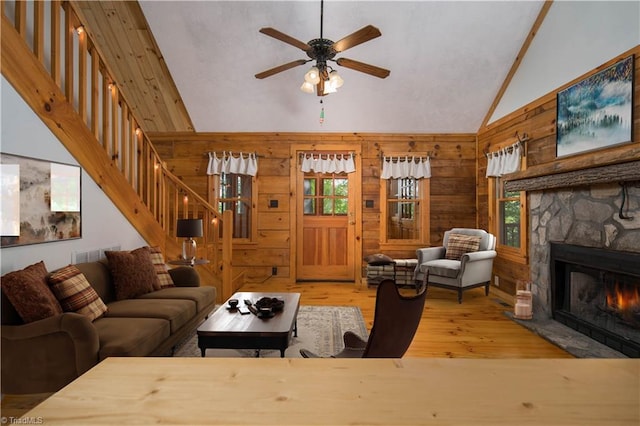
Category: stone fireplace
<point>597,292</point>
<point>585,217</point>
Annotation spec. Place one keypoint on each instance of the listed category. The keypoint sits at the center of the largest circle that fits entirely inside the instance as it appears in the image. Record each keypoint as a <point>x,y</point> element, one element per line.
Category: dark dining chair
<point>395,322</point>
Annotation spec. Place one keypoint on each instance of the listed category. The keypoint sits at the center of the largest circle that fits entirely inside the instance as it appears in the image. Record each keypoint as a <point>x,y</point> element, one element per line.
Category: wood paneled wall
<point>452,186</point>
<point>538,121</point>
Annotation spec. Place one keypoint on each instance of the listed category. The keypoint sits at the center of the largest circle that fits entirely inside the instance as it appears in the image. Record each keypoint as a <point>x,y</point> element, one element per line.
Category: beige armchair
<point>463,262</point>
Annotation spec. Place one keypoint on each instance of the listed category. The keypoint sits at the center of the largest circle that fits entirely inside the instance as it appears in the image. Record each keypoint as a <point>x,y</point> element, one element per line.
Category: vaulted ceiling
<point>190,65</point>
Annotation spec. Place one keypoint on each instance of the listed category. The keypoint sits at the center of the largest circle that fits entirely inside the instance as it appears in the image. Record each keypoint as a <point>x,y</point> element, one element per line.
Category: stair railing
<point>52,34</point>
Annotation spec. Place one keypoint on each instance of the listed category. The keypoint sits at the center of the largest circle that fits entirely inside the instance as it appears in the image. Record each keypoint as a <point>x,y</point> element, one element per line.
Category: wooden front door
<point>325,249</point>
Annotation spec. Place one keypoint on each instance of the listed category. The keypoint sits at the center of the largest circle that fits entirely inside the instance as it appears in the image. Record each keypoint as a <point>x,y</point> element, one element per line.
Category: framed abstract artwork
<point>41,201</point>
<point>596,112</point>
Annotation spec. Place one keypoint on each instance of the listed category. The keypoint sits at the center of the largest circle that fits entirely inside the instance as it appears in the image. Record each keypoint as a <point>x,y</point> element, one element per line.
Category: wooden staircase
<point>60,74</point>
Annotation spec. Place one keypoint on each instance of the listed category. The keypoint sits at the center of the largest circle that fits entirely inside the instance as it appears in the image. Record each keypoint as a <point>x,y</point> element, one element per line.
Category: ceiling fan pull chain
<point>321,113</point>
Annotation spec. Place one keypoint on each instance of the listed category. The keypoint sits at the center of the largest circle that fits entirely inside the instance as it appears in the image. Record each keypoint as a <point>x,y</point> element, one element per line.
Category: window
<point>326,195</point>
<point>405,215</point>
<point>511,220</point>
<point>234,192</point>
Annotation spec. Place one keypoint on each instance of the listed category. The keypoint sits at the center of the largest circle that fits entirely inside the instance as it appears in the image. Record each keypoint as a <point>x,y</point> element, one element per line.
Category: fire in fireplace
<point>597,292</point>
<point>623,300</point>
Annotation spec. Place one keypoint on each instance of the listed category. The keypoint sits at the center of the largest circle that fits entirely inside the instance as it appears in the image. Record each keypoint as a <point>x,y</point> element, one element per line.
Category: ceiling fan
<point>325,79</point>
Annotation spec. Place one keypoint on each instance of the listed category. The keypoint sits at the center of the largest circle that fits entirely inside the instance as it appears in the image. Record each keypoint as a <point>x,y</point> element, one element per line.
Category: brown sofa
<point>45,355</point>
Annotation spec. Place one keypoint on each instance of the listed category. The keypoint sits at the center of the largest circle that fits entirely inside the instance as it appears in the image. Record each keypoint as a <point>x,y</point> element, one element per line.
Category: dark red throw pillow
<point>133,273</point>
<point>28,292</point>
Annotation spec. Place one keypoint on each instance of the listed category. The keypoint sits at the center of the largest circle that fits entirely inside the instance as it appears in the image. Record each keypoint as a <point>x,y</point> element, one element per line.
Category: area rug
<point>320,329</point>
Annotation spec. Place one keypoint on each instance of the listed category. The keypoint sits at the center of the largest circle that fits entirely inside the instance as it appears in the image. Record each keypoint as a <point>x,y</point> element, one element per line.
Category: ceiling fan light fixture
<point>307,87</point>
<point>329,87</point>
<point>321,77</point>
<point>335,79</point>
<point>312,76</point>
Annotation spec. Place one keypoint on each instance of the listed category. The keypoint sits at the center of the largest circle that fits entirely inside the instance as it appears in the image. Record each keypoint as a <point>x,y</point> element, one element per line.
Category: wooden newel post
<point>227,249</point>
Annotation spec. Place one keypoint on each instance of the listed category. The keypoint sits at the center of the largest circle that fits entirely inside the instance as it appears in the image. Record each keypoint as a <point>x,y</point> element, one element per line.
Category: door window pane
<point>327,206</point>
<point>341,206</point>
<point>341,187</point>
<point>333,199</point>
<point>310,206</point>
<point>327,186</point>
<point>309,187</point>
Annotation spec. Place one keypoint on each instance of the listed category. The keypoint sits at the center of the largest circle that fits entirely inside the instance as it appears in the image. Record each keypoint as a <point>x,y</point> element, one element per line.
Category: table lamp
<point>189,228</point>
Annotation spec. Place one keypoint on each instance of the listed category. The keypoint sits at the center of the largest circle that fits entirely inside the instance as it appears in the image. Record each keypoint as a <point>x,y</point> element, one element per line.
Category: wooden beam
<point>622,154</point>
<point>625,172</point>
<point>516,64</point>
<point>551,96</point>
<point>227,250</point>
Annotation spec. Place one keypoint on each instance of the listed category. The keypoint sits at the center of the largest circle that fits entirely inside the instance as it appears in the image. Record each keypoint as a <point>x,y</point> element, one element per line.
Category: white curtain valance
<point>332,163</point>
<point>243,164</point>
<point>504,161</point>
<point>406,167</point>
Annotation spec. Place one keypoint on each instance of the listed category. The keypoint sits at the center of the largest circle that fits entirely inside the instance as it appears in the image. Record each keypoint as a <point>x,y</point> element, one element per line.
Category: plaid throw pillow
<point>164,279</point>
<point>459,244</point>
<point>75,294</point>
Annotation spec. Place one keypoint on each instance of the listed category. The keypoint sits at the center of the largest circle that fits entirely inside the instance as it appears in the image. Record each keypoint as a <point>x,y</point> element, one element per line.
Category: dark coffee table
<point>228,329</point>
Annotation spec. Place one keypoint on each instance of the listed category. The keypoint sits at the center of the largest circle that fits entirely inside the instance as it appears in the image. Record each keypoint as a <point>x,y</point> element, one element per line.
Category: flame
<point>623,298</point>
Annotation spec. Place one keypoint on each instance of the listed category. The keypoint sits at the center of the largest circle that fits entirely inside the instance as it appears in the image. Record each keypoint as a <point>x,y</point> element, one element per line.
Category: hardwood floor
<point>477,328</point>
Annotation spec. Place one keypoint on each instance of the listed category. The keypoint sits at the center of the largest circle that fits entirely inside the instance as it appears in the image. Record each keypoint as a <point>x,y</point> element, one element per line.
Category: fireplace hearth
<point>597,292</point>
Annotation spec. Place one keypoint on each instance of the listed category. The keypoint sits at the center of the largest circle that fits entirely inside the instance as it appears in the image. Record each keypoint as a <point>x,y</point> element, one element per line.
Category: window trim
<point>519,255</point>
<point>214,184</point>
<point>425,192</point>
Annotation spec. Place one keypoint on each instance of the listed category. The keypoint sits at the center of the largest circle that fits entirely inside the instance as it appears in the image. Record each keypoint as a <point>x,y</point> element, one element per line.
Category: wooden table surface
<point>410,391</point>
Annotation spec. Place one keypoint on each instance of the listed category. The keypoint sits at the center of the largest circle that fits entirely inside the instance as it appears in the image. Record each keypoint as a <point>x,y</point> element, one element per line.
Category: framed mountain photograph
<point>596,112</point>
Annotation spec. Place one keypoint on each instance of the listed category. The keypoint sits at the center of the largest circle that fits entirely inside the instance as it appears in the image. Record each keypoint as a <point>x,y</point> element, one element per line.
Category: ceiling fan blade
<point>362,67</point>
<point>363,34</point>
<point>272,32</point>
<point>280,68</point>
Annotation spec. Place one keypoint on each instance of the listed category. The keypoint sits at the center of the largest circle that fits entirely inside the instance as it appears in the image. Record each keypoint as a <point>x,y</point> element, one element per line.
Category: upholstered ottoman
<point>404,271</point>
<point>381,267</point>
<point>378,273</point>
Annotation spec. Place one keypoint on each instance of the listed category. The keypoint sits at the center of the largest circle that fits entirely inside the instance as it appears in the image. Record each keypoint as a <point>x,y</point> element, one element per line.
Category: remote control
<point>247,302</point>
